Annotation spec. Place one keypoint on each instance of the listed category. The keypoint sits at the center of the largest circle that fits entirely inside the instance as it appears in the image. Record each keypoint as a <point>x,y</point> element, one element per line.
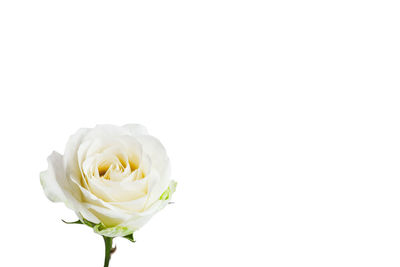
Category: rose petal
<point>155,150</point>
<point>58,188</point>
<point>135,129</point>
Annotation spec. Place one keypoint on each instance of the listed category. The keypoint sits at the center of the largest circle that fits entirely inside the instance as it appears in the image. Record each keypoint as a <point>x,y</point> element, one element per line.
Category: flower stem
<point>108,245</point>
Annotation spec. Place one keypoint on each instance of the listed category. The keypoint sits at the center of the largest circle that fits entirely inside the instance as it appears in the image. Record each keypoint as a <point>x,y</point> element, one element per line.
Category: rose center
<point>106,168</point>
<point>116,167</point>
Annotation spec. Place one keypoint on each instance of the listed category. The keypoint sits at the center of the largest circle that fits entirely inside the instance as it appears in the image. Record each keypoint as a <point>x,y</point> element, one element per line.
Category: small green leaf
<point>130,237</point>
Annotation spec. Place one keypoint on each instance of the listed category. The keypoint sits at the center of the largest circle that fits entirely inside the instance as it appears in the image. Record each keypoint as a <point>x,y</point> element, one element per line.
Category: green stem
<point>108,244</point>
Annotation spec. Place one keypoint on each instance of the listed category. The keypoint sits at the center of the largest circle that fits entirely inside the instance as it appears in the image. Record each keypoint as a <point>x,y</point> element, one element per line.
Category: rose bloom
<point>114,177</point>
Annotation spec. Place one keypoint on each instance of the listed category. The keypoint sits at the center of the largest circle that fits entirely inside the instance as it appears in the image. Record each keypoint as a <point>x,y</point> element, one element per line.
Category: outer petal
<point>155,150</point>
<point>71,155</point>
<point>135,129</point>
<point>49,181</point>
<point>157,184</point>
<point>60,189</point>
<point>132,206</point>
<point>118,191</point>
<point>160,165</point>
<point>105,212</point>
<point>137,220</point>
<point>109,217</point>
<point>106,131</point>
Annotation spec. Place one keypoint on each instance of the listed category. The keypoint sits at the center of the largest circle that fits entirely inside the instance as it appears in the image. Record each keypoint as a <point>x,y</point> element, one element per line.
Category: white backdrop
<point>281,119</point>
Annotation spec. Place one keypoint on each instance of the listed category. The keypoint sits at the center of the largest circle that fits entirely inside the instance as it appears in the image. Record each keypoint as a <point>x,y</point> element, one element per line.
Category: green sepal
<point>101,229</point>
<point>86,222</point>
<point>77,222</point>
<point>167,194</point>
<point>129,237</point>
<point>89,223</point>
<point>115,231</point>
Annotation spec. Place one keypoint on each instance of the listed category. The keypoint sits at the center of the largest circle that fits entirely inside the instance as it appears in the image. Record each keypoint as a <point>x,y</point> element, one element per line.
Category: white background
<point>281,119</point>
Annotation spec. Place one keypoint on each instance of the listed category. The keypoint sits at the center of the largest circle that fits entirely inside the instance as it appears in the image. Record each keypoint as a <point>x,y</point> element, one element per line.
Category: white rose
<point>115,177</point>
